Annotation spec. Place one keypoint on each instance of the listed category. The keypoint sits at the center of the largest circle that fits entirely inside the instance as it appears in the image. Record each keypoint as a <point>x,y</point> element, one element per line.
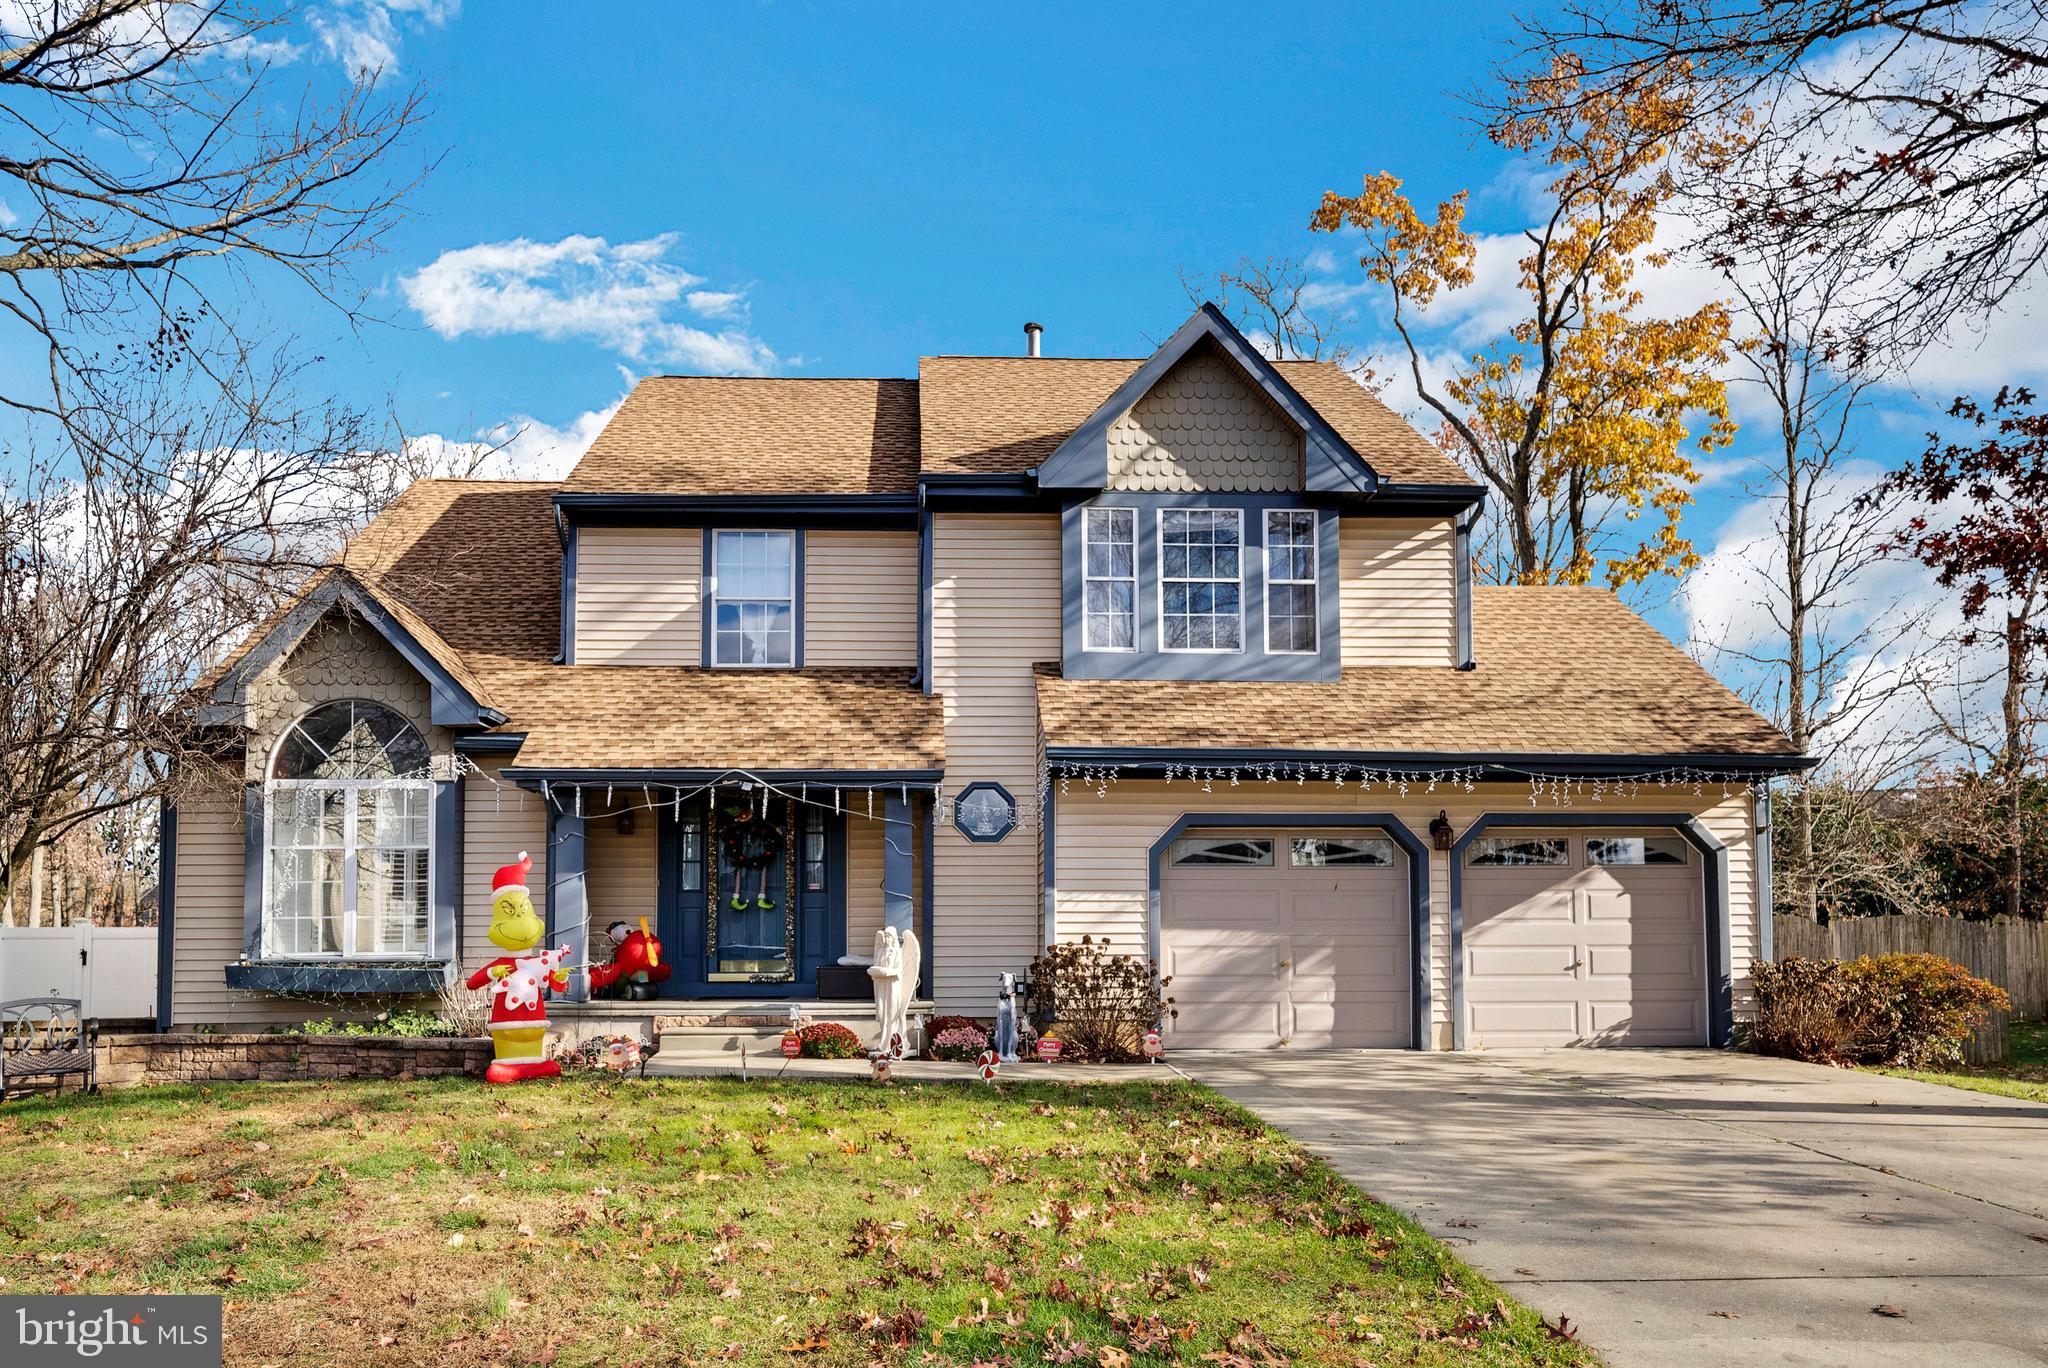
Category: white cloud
<point>520,448</point>
<point>583,288</point>
<point>365,35</point>
<point>717,303</point>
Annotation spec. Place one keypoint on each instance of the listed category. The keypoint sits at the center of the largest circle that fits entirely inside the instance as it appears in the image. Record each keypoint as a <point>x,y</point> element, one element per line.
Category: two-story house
<point>1181,650</point>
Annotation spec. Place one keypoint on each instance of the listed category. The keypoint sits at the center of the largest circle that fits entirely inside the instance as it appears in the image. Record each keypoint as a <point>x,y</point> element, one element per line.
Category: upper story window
<point>1109,552</point>
<point>753,605</point>
<point>1200,579</point>
<point>349,834</point>
<point>1291,611</point>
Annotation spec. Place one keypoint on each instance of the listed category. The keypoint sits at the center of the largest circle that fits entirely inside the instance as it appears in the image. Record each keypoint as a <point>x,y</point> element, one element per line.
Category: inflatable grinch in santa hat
<point>520,980</point>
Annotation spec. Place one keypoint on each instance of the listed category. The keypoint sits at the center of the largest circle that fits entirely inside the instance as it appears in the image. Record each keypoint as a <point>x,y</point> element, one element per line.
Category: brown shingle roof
<point>654,717</point>
<point>994,414</point>
<point>1561,671</point>
<point>705,435</point>
<point>695,435</point>
<point>473,569</point>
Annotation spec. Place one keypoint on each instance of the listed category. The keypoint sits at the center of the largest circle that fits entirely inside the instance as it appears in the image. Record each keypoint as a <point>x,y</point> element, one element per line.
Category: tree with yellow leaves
<point>1584,416</point>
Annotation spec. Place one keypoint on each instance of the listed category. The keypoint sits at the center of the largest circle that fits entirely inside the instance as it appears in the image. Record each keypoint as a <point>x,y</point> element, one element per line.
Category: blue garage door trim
<point>1397,831</point>
<point>1714,870</point>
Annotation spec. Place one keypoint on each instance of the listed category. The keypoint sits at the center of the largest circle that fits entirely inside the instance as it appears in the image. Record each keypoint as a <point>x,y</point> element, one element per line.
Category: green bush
<point>406,1023</point>
<point>1911,1011</point>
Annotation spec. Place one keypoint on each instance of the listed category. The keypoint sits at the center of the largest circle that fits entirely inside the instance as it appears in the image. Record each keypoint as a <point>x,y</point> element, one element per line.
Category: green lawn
<point>676,1221</point>
<point>2025,1075</point>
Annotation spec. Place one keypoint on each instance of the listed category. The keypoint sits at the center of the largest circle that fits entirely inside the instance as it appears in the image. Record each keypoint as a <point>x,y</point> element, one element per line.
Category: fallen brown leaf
<point>1887,1309</point>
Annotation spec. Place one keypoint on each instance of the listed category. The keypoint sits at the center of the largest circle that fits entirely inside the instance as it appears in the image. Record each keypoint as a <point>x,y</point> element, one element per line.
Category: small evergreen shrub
<point>1104,1002</point>
<point>1910,1011</point>
<point>828,1040</point>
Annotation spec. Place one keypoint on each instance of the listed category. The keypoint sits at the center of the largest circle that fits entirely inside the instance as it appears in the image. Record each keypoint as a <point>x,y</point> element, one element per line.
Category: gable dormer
<point>1201,538</point>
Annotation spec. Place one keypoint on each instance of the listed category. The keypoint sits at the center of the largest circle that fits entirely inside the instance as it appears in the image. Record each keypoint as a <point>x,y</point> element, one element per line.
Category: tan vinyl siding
<point>638,596</point>
<point>996,611</point>
<point>865,853</point>
<point>1205,427</point>
<point>623,872</point>
<point>207,925</point>
<point>860,598</point>
<point>498,821</point>
<point>1104,843</point>
<point>1397,586</point>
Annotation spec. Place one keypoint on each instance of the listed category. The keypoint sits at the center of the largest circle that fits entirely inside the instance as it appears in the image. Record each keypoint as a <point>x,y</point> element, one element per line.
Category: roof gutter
<point>1493,764</point>
<point>898,511</point>
<point>532,776</point>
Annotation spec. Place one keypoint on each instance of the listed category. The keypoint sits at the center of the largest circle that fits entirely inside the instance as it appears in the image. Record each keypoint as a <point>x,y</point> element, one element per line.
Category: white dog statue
<point>1006,1018</point>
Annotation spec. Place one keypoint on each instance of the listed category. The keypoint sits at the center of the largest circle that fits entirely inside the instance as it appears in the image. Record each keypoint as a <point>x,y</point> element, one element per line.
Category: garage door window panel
<point>1519,852</point>
<point>1635,850</point>
<point>1231,851</point>
<point>1318,852</point>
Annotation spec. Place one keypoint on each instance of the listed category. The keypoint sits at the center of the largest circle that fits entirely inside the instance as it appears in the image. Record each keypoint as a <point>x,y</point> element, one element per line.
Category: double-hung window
<point>753,599</point>
<point>1291,618</point>
<point>1200,582</point>
<point>349,804</point>
<point>1109,571</point>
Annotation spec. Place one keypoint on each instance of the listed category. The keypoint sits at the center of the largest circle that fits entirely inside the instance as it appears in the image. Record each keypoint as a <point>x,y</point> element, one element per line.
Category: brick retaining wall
<point>194,1057</point>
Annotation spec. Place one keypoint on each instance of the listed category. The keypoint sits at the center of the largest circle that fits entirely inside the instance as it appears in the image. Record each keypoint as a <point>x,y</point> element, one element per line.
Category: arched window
<point>349,814</point>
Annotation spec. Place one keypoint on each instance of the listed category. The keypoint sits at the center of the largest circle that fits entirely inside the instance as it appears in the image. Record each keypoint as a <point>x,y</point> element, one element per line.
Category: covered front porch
<point>756,882</point>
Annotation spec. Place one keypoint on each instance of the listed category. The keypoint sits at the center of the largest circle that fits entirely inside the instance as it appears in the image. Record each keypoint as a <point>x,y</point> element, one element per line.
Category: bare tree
<point>1832,661</point>
<point>162,482</point>
<point>155,151</point>
<point>123,567</point>
<point>1902,139</point>
<point>1284,310</point>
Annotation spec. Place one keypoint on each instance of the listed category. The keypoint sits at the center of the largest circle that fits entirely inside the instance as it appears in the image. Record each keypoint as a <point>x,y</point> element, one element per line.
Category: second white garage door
<point>1573,939</point>
<point>1286,938</point>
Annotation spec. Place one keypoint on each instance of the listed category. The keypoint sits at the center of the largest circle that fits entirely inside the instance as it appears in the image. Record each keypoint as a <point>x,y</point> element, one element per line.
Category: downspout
<point>1463,578</point>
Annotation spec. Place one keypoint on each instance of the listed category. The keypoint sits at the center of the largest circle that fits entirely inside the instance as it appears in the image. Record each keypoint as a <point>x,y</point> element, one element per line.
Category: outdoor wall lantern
<point>626,822</point>
<point>1440,833</point>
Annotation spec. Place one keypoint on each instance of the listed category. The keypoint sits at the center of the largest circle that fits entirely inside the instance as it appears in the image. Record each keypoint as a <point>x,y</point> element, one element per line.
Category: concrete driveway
<point>1692,1207</point>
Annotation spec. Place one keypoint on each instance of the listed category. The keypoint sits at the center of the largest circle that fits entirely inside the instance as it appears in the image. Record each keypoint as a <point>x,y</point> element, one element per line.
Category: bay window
<point>348,812</point>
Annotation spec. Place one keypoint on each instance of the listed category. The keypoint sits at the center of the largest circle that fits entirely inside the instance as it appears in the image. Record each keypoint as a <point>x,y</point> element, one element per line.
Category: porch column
<point>899,837</point>
<point>568,905</point>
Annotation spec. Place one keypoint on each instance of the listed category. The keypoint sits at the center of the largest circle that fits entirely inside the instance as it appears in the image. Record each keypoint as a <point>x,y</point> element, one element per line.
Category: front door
<point>750,903</point>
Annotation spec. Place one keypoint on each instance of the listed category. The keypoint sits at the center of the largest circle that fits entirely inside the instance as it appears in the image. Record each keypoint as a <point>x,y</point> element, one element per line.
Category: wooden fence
<point>2009,952</point>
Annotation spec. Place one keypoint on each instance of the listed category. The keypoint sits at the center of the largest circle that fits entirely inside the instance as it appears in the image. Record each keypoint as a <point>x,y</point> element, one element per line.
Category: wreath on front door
<point>749,842</point>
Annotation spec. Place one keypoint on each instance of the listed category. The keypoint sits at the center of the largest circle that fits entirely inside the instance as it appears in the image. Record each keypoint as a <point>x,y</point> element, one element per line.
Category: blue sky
<point>837,190</point>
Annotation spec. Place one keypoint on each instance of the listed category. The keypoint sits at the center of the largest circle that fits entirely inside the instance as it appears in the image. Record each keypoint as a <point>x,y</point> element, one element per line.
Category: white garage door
<point>1286,938</point>
<point>1573,939</point>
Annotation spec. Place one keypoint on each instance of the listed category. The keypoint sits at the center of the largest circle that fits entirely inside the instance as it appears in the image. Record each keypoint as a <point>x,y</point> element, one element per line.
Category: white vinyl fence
<point>111,968</point>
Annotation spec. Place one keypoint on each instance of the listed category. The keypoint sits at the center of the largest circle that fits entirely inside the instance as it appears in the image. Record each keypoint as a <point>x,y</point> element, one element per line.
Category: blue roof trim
<point>530,777</point>
<point>898,511</point>
<point>1506,764</point>
<point>452,705</point>
<point>1330,464</point>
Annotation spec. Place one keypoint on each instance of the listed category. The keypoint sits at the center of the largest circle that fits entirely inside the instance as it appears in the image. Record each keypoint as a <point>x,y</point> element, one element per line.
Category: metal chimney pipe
<point>1032,332</point>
